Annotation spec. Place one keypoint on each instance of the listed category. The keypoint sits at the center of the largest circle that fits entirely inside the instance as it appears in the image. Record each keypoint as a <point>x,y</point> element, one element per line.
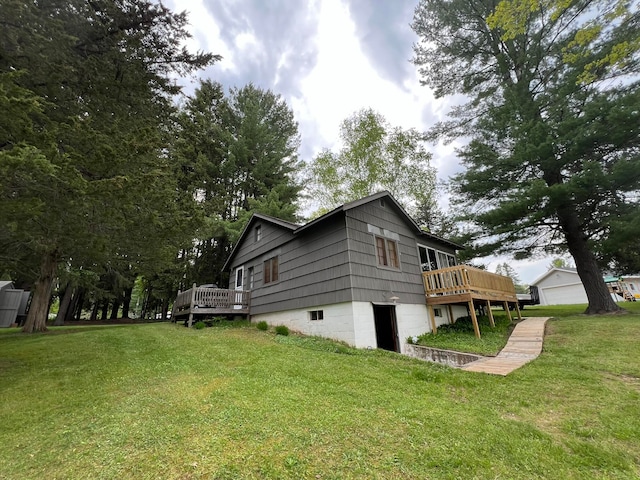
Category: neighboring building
<point>624,287</point>
<point>632,285</point>
<point>560,286</point>
<point>354,274</point>
<point>13,304</point>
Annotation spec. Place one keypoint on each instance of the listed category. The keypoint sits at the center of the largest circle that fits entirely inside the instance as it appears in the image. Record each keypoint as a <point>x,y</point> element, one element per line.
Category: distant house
<point>562,286</point>
<point>624,287</point>
<point>632,285</point>
<point>357,274</point>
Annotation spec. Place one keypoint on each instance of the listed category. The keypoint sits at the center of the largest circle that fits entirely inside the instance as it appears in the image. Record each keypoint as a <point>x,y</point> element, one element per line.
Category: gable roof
<point>254,218</point>
<point>554,269</point>
<point>297,229</point>
<point>377,196</point>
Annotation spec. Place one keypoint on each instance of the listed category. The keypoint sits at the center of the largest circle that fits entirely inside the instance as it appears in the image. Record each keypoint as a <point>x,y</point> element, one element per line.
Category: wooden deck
<point>210,301</point>
<point>469,286</point>
<point>524,345</point>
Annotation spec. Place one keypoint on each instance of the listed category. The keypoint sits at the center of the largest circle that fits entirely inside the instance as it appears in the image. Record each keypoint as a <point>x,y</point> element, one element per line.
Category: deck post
<point>451,319</point>
<point>518,311</point>
<point>432,317</point>
<point>474,319</point>
<point>491,322</point>
<point>191,304</point>
<point>506,307</point>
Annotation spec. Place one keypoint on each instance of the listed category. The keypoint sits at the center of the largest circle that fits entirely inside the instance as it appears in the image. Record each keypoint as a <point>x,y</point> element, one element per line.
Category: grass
<point>163,401</point>
<point>461,337</point>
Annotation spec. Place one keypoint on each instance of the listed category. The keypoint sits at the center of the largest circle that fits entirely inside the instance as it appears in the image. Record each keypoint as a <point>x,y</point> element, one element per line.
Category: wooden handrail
<point>465,279</point>
<point>204,297</point>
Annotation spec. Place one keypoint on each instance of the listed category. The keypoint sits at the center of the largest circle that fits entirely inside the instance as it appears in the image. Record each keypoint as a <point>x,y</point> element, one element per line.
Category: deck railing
<point>205,297</point>
<point>463,279</point>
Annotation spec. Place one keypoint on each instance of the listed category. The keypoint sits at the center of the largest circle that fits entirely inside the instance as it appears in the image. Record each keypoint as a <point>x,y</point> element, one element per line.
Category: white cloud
<point>320,55</point>
<point>344,81</point>
<point>204,29</point>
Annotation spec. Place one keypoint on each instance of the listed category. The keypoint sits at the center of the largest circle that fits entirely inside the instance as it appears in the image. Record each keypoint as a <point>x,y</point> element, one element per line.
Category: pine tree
<point>552,163</point>
<point>101,76</point>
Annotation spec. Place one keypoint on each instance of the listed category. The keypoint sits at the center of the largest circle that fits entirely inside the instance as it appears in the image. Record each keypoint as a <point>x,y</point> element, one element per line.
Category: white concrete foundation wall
<point>337,323</point>
<point>353,322</point>
<point>458,311</point>
<point>364,325</point>
<point>412,320</point>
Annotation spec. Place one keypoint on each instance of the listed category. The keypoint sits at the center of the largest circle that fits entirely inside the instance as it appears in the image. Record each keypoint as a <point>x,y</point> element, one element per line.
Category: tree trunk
<point>37,317</point>
<point>94,311</point>
<point>72,306</point>
<point>165,308</point>
<point>105,309</point>
<point>115,309</point>
<point>65,301</point>
<point>598,295</point>
<point>145,302</point>
<point>79,302</point>
<point>126,302</point>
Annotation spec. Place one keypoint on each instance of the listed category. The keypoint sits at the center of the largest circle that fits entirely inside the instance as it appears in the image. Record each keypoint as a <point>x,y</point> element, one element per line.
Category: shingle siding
<point>272,237</point>
<point>371,282</point>
<point>334,261</point>
<point>313,270</point>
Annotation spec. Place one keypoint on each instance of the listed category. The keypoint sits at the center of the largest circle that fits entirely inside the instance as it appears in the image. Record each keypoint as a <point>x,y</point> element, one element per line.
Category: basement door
<point>384,317</point>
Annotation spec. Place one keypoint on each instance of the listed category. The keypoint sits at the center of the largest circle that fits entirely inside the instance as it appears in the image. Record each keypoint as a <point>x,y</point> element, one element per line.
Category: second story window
<point>258,233</point>
<point>270,270</point>
<point>387,252</point>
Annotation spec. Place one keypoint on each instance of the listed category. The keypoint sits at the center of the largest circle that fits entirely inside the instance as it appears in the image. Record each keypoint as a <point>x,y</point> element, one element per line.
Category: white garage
<point>560,286</point>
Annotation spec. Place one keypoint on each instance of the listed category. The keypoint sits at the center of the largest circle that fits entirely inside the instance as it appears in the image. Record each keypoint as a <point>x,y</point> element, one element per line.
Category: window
<point>437,312</point>
<point>316,315</point>
<point>270,270</point>
<point>250,278</point>
<point>387,252</point>
<point>431,259</point>
<point>239,277</point>
<point>258,233</point>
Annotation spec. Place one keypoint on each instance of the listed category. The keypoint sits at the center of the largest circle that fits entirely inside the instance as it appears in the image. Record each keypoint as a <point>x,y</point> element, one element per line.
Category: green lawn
<point>461,337</point>
<point>162,401</point>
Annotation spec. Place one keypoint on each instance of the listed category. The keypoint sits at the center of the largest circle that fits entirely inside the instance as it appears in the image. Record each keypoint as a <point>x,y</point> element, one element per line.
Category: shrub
<point>282,330</point>
<point>264,326</point>
<point>199,325</point>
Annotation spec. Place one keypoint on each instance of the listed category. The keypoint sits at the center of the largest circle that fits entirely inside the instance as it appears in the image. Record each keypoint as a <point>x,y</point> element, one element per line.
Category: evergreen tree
<point>239,155</point>
<point>88,170</point>
<point>552,119</point>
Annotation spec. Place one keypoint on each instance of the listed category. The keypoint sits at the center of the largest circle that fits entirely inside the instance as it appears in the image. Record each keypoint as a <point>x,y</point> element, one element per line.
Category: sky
<point>327,59</point>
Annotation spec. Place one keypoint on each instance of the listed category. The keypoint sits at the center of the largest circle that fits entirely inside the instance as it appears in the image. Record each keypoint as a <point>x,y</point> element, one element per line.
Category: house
<point>624,287</point>
<point>357,274</point>
<point>560,286</point>
<point>631,283</point>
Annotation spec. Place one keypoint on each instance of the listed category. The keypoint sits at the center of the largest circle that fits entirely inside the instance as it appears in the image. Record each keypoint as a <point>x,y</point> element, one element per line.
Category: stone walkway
<point>524,345</point>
